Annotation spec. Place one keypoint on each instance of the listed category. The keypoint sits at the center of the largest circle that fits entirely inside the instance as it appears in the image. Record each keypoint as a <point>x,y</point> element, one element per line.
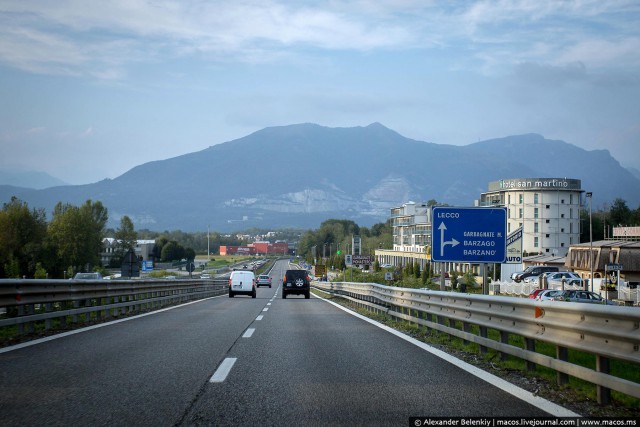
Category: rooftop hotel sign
<point>535,184</point>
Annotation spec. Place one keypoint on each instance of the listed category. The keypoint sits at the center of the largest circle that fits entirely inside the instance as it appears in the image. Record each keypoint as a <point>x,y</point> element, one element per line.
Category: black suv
<point>296,282</point>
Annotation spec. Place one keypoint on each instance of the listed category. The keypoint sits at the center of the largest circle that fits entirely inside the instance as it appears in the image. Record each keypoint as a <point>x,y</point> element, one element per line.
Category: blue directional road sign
<point>475,235</point>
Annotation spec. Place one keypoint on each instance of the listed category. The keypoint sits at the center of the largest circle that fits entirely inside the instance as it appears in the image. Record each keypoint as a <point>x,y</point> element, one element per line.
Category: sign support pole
<point>485,279</point>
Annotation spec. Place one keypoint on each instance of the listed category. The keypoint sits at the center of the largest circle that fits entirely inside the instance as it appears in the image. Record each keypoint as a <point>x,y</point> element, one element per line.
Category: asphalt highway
<point>240,361</point>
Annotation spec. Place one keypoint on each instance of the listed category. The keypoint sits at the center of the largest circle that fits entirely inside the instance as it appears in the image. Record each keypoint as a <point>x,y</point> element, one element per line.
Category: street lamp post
<point>590,196</point>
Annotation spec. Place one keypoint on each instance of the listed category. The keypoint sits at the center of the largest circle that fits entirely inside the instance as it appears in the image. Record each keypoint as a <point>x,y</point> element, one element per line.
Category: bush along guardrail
<point>608,333</point>
<point>28,306</point>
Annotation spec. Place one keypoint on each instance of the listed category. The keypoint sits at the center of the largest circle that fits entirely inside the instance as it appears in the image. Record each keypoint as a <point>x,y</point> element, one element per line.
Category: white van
<point>242,283</point>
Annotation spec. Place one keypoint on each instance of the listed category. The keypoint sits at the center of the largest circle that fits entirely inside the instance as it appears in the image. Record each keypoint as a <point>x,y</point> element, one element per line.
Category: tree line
<point>604,219</point>
<point>336,235</point>
<point>32,247</point>
<point>73,240</point>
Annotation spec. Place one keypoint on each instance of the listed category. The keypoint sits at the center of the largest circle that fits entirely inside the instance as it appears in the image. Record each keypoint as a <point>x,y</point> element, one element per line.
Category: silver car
<point>584,296</point>
<point>549,295</point>
<point>555,279</point>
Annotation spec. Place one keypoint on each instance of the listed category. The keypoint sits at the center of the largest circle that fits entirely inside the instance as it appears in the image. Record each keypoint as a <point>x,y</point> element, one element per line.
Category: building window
<point>535,198</point>
<point>520,213</point>
<point>561,215</point>
<point>535,242</point>
<point>521,198</point>
<point>571,213</point>
<point>509,228</point>
<point>509,199</point>
<point>548,206</point>
<point>562,245</point>
<point>547,221</point>
<point>535,227</point>
<point>535,212</point>
<point>562,230</point>
<point>546,235</point>
<point>562,201</point>
<point>570,199</point>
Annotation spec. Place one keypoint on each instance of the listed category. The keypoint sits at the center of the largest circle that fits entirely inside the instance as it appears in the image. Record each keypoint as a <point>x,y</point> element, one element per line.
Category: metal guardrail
<point>608,332</point>
<point>26,303</point>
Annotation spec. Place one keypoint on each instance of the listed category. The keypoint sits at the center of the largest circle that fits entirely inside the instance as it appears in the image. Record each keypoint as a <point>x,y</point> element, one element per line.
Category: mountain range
<point>299,175</point>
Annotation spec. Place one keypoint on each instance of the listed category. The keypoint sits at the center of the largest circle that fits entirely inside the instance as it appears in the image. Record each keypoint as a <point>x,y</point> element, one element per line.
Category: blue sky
<point>91,89</point>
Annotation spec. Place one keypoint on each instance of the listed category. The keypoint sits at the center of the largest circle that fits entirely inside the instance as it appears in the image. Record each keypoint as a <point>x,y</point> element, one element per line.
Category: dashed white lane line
<point>248,333</point>
<point>260,317</point>
<point>223,370</point>
<point>265,309</point>
<point>268,303</point>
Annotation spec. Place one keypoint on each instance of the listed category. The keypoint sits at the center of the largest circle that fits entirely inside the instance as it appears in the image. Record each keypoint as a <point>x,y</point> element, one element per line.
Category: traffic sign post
<point>473,235</point>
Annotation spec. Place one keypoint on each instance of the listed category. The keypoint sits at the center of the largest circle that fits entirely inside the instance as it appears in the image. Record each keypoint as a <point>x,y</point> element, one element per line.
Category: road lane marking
<point>268,303</point>
<point>260,317</point>
<point>265,309</point>
<point>248,333</point>
<point>223,370</point>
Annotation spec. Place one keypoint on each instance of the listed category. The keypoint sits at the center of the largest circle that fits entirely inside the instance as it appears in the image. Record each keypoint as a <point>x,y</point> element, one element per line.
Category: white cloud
<point>99,38</point>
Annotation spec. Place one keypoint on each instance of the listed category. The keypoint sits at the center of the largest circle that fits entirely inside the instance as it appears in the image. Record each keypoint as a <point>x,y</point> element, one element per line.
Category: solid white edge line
<point>248,333</point>
<point>223,370</point>
<point>101,325</point>
<point>522,394</point>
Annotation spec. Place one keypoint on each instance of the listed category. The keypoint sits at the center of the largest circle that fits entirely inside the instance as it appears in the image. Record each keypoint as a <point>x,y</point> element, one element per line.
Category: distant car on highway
<point>205,276</point>
<point>263,280</point>
<point>296,282</point>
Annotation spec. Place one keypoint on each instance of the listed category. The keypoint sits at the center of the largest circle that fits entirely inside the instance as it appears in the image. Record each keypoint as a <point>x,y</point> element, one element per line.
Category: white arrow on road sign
<point>452,242</point>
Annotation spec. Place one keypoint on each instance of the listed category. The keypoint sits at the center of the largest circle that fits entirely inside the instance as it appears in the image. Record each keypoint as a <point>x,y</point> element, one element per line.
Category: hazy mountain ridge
<point>299,175</point>
<point>29,179</point>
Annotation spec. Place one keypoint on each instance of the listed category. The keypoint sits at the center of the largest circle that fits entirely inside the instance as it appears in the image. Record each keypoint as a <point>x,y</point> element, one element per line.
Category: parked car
<point>584,296</point>
<point>296,282</point>
<point>534,293</point>
<point>534,270</point>
<point>555,279</point>
<point>87,276</point>
<point>242,282</point>
<point>534,280</point>
<point>263,280</point>
<point>549,295</point>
